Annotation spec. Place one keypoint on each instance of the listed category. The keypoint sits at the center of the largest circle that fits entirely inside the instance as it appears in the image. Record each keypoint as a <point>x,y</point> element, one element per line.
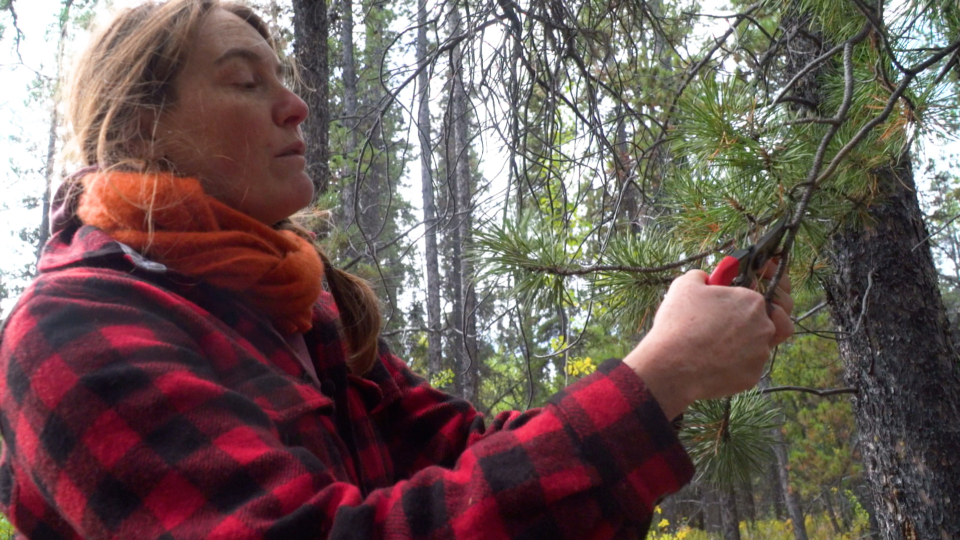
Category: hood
<point>72,243</point>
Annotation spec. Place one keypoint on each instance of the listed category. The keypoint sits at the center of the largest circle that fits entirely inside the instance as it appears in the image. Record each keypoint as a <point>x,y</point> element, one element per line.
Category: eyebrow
<point>245,54</point>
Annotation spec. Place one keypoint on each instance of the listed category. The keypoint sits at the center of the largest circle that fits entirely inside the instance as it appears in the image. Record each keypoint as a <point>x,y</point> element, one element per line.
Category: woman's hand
<point>710,341</point>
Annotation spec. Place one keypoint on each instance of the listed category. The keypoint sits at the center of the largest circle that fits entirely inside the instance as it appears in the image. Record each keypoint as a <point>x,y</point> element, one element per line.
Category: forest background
<point>522,180</point>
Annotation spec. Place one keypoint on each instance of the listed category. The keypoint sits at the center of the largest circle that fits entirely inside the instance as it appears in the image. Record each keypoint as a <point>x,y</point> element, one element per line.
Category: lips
<point>296,149</point>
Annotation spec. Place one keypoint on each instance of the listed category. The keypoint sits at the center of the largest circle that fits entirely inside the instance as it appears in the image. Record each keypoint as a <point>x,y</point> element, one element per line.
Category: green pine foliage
<point>729,159</point>
<point>730,439</point>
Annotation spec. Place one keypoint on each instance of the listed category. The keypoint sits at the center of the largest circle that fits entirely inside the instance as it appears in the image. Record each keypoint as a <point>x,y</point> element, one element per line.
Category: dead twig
<point>821,393</point>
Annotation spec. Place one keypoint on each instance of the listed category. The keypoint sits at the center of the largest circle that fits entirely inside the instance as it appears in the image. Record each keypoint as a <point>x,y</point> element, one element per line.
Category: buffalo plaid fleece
<point>140,403</point>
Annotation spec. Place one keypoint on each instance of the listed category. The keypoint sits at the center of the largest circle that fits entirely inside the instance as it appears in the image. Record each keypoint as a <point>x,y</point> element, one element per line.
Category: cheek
<point>218,143</point>
<point>231,150</point>
<point>234,138</point>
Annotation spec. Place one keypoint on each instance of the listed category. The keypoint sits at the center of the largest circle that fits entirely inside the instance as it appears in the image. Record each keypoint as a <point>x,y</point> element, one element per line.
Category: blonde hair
<point>127,75</point>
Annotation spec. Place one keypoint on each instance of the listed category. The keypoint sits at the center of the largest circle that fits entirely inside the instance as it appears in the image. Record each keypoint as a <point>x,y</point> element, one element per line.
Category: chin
<point>304,196</point>
<point>276,213</point>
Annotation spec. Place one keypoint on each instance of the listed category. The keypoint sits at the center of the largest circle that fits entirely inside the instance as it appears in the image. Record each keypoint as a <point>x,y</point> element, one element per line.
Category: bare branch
<point>812,179</point>
<point>16,26</point>
<point>804,389</point>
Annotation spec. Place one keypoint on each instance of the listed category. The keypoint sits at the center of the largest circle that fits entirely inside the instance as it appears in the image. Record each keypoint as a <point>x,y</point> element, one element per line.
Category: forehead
<point>222,31</point>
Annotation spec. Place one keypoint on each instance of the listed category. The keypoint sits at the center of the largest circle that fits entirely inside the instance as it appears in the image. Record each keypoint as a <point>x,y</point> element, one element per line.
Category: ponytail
<point>358,305</point>
<point>359,315</point>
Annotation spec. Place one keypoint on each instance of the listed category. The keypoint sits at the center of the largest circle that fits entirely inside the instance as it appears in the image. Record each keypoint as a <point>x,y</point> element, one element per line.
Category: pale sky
<point>24,121</point>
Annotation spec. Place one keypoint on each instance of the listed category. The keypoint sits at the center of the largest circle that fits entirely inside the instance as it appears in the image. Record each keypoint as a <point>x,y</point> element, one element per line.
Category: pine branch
<point>804,121</point>
<point>875,20</point>
<point>692,73</point>
<point>882,117</point>
<point>812,178</point>
<point>584,270</point>
<point>815,64</point>
<point>818,173</point>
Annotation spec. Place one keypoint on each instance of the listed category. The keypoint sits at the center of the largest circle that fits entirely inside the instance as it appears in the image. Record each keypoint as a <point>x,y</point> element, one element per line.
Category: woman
<point>176,370</point>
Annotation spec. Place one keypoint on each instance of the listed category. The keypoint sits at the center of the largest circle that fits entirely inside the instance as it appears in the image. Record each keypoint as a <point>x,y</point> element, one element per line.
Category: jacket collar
<point>73,243</point>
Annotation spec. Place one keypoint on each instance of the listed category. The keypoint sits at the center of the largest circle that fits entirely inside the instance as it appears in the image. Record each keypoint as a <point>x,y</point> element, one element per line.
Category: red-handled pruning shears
<point>740,267</point>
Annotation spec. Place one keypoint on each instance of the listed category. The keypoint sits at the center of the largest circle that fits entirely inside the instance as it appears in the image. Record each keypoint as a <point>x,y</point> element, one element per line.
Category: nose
<point>290,110</point>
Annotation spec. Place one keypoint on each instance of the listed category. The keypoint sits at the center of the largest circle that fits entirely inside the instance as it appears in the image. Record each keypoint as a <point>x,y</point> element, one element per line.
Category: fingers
<point>777,326</point>
<point>783,325</point>
<point>784,300</point>
<point>693,276</point>
<point>781,296</point>
<point>782,305</point>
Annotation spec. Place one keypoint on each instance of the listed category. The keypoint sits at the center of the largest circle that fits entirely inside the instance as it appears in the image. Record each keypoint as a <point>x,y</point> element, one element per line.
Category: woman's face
<point>234,125</point>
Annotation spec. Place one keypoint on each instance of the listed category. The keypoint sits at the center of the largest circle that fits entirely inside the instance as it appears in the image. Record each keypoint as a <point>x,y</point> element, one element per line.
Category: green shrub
<point>6,529</point>
<point>818,528</point>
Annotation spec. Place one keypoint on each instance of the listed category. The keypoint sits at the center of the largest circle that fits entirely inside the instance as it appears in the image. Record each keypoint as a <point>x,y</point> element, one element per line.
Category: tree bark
<point>898,352</point>
<point>430,222</point>
<point>311,29</point>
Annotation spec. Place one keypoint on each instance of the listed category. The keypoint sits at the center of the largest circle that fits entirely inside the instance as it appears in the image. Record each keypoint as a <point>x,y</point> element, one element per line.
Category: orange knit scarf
<point>193,233</point>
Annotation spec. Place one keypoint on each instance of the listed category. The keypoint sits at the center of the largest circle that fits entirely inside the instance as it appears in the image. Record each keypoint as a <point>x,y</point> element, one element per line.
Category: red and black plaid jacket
<point>139,403</point>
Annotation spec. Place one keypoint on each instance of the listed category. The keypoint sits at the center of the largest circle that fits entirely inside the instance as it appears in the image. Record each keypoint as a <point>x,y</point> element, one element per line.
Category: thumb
<point>693,277</point>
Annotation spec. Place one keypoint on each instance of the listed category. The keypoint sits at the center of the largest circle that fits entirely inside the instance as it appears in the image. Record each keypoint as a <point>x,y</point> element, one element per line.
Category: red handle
<point>725,272</point>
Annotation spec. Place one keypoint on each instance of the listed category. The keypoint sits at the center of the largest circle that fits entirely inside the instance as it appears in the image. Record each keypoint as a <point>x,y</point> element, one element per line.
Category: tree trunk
<point>776,493</point>
<point>748,506</point>
<point>565,337</point>
<point>44,231</point>
<point>711,510</point>
<point>790,497</point>
<point>627,193</point>
<point>52,139</point>
<point>898,352</point>
<point>350,120</point>
<point>669,511</point>
<point>699,519</point>
<point>373,180</point>
<point>464,203</point>
<point>831,511</point>
<point>430,222</point>
<point>453,252</point>
<point>310,28</point>
<point>729,516</point>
